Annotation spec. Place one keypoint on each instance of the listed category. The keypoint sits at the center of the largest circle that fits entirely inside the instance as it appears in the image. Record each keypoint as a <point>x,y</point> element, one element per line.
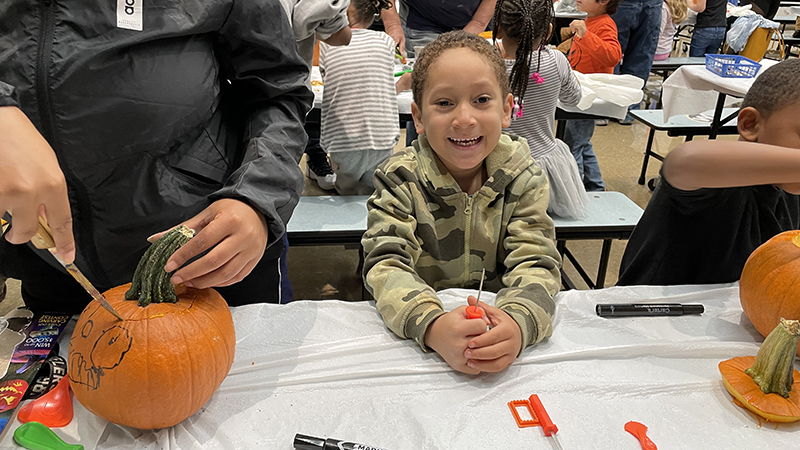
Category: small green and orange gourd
<point>167,357</point>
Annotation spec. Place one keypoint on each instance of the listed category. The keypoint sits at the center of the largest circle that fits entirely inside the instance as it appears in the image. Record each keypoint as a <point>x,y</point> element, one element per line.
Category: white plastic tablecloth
<point>331,368</point>
<point>694,89</point>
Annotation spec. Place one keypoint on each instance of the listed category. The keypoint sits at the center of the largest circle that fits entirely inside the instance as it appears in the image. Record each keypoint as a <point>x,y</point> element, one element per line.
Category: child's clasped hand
<point>465,344</point>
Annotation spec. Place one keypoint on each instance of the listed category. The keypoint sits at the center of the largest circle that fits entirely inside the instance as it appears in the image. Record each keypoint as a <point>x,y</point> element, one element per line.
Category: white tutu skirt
<point>568,197</point>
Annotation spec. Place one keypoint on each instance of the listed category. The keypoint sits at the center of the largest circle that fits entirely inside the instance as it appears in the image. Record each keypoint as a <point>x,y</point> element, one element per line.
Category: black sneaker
<point>320,169</point>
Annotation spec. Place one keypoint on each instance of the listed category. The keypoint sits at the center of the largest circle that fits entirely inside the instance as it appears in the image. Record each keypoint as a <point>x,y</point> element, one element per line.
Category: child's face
<point>592,7</point>
<point>463,110</point>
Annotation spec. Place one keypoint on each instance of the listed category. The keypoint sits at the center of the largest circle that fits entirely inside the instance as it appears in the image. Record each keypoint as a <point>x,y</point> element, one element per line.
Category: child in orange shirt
<point>594,49</point>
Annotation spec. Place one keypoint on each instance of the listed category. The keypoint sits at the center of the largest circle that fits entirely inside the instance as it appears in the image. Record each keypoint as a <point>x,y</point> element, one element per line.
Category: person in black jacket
<point>118,121</point>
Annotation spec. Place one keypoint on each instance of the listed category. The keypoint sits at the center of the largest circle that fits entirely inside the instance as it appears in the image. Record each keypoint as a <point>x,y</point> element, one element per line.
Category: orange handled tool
<point>539,418</point>
<point>476,312</point>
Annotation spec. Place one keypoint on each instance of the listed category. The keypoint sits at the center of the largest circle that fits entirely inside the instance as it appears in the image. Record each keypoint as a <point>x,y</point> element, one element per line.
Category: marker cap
<point>693,309</point>
<point>303,442</point>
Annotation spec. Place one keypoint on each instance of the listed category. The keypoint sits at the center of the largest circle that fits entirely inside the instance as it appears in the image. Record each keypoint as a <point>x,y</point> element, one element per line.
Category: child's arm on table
<point>407,304</point>
<point>533,273</point>
<point>718,164</point>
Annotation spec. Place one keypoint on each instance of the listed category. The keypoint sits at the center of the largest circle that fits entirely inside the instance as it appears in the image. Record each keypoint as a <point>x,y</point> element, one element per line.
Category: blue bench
<point>342,220</point>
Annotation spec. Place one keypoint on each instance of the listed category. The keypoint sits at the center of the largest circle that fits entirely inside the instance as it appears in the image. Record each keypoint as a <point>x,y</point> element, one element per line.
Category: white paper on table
<point>694,89</point>
<point>621,90</point>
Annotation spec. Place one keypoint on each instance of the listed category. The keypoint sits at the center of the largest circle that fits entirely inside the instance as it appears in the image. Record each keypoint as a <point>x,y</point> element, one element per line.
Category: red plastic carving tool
<point>539,418</point>
<point>640,431</point>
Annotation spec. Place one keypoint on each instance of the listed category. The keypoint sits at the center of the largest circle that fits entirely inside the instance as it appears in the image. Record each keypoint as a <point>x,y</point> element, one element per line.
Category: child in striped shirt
<point>523,25</point>
<point>360,123</point>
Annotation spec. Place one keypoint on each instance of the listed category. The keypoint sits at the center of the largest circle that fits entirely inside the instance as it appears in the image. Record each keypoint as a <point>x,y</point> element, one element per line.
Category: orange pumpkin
<point>767,384</point>
<point>768,288</point>
<point>160,364</point>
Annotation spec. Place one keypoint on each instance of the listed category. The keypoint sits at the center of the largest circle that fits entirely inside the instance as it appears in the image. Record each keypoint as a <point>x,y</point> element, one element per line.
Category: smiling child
<point>465,197</point>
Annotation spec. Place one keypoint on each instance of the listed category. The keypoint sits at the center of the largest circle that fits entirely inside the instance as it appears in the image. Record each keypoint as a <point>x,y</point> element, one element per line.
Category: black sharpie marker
<point>646,309</point>
<point>303,442</point>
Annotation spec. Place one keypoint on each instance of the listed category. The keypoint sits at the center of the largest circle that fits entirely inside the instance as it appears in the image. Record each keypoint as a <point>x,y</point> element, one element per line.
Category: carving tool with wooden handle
<point>44,240</point>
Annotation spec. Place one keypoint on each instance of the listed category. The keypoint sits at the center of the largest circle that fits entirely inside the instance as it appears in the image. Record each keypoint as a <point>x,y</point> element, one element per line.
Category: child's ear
<point>749,124</point>
<point>603,2</point>
<point>508,106</point>
<point>416,113</point>
<point>549,33</point>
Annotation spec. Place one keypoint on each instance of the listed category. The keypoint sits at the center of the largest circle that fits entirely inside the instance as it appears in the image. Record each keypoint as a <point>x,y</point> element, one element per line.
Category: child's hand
<point>578,27</point>
<point>449,334</point>
<point>496,349</point>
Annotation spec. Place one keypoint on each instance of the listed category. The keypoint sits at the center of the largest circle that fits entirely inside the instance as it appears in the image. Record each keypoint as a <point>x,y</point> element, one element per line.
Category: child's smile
<point>466,143</point>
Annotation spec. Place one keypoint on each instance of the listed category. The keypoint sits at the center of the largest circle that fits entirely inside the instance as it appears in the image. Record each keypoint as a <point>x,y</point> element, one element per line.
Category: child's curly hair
<point>769,94</point>
<point>368,11</point>
<point>456,39</point>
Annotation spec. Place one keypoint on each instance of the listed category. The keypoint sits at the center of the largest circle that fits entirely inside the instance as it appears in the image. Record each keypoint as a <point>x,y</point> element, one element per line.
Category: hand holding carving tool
<point>44,240</point>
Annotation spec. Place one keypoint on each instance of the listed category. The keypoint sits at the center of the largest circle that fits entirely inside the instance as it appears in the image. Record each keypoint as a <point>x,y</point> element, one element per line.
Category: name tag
<point>129,14</point>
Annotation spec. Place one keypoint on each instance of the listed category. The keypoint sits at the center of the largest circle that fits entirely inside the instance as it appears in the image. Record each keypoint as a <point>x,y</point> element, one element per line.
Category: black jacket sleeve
<point>268,84</point>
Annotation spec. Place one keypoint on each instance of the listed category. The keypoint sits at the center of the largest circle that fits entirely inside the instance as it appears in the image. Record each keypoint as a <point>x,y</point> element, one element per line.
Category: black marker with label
<point>647,309</point>
<point>303,442</point>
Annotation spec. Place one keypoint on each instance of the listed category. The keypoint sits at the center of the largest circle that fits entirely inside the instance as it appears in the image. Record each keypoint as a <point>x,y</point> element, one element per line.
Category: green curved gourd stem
<point>774,366</point>
<point>35,436</point>
<point>150,281</point>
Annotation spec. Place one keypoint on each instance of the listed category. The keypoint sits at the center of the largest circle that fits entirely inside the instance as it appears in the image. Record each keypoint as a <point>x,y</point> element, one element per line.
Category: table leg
<point>716,124</point>
<point>605,254</point>
<point>647,154</point>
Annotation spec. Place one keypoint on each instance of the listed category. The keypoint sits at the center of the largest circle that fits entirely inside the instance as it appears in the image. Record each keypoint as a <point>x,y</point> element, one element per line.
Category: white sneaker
<point>323,173</point>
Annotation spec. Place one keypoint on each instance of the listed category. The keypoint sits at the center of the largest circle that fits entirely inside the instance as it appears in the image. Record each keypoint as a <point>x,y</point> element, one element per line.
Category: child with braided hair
<point>359,102</point>
<point>541,77</point>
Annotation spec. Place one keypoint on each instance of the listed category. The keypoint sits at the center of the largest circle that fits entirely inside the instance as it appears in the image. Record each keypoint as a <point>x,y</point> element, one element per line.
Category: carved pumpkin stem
<point>772,370</point>
<point>150,281</point>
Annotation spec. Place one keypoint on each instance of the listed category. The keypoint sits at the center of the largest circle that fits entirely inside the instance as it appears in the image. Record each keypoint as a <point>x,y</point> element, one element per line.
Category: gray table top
<point>677,61</point>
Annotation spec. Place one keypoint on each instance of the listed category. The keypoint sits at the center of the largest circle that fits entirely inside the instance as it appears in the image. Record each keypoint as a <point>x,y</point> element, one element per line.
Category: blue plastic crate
<point>732,66</point>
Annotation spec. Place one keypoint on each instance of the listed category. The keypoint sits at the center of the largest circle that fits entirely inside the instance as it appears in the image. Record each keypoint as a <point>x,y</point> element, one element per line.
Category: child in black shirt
<point>719,200</point>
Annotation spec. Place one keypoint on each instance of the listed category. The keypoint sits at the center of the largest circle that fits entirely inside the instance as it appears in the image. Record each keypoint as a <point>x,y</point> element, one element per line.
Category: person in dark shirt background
<point>719,200</point>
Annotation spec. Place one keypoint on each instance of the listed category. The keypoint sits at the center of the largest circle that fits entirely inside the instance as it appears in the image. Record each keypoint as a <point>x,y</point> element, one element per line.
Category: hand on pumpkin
<point>238,234</point>
<point>497,348</point>
<point>449,335</point>
<point>32,184</point>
